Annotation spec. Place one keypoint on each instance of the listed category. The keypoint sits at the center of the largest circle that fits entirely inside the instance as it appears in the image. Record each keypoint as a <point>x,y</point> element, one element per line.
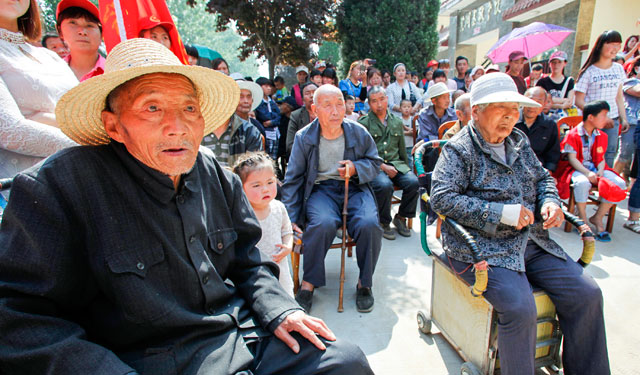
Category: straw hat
<point>78,112</point>
<point>498,88</point>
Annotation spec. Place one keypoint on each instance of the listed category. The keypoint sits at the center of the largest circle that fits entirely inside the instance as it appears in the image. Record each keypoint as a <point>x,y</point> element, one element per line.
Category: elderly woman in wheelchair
<point>489,180</point>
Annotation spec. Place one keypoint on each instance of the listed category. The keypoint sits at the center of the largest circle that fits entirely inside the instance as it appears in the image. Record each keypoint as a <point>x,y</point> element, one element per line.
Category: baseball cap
<point>84,4</point>
<point>437,90</point>
<point>558,55</point>
<point>432,63</point>
<point>147,23</point>
<point>515,55</point>
<point>320,64</point>
<point>498,88</point>
<point>302,68</point>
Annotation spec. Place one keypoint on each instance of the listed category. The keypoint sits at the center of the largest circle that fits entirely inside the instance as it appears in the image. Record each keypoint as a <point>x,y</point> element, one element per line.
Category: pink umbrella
<point>532,39</point>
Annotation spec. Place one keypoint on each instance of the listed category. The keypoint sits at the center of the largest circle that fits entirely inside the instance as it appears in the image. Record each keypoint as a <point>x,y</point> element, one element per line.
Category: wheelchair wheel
<point>424,324</point>
<point>469,368</point>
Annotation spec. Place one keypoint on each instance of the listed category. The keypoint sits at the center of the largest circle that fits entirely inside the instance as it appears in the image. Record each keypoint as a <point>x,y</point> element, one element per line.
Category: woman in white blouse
<point>32,79</point>
<point>402,89</point>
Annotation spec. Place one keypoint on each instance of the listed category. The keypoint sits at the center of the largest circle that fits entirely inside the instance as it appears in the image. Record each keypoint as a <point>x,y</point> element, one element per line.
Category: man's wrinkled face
<point>81,34</point>
<point>540,97</point>
<point>441,101</point>
<point>246,101</point>
<point>378,103</point>
<point>157,117</point>
<point>330,109</point>
<point>307,95</point>
<point>497,120</point>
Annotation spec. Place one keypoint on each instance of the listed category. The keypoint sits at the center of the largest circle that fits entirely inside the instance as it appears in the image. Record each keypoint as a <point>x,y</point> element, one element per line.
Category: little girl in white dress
<point>260,185</point>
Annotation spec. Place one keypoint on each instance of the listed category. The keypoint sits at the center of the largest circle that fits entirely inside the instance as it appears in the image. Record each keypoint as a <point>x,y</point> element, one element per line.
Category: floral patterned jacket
<point>471,185</point>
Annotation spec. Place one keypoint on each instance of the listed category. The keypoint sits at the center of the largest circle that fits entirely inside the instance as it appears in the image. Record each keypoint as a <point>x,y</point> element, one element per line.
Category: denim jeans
<point>612,142</point>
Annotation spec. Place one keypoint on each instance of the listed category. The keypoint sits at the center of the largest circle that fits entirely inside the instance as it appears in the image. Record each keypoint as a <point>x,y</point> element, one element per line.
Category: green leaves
<point>389,31</point>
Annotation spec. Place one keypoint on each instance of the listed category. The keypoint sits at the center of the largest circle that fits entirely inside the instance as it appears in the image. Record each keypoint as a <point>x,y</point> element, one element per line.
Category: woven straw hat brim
<point>78,112</point>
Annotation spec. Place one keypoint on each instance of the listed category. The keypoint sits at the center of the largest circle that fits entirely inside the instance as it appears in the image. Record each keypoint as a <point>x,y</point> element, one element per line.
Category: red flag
<point>125,19</point>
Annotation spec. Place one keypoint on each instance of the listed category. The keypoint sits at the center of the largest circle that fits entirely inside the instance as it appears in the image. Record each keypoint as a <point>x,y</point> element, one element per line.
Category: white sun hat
<point>498,88</point>
<point>438,89</point>
<point>256,90</point>
<point>79,111</point>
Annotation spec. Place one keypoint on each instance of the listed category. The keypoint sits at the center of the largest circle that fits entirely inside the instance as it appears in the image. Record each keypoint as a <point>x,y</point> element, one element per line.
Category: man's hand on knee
<point>390,170</point>
<point>305,325</point>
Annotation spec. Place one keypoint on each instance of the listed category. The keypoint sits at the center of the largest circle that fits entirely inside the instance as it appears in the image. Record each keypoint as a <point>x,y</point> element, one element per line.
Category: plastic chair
<point>567,123</point>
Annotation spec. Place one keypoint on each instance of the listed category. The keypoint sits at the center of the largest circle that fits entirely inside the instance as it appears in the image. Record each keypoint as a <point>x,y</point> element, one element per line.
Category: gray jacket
<point>302,169</point>
<point>297,120</point>
<point>471,185</point>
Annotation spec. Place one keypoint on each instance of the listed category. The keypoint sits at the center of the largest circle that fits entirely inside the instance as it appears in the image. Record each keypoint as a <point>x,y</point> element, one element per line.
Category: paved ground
<point>389,335</point>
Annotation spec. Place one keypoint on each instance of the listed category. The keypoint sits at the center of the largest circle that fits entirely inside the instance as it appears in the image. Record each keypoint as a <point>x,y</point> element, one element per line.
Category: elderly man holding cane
<point>135,253</point>
<point>489,180</point>
<point>314,192</point>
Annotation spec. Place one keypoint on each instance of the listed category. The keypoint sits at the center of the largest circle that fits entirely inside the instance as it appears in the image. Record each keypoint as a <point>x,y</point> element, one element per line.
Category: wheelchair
<point>464,317</point>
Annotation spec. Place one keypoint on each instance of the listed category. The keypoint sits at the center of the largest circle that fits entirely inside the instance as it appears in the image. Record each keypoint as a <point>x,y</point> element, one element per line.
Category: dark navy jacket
<point>105,268</point>
<point>302,169</point>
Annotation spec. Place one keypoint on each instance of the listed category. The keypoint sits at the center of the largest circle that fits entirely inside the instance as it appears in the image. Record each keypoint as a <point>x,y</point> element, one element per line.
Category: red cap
<point>84,4</point>
<point>148,23</point>
<point>610,191</point>
<point>432,63</point>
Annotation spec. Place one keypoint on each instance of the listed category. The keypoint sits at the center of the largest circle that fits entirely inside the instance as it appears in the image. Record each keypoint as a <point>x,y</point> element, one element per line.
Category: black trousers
<point>272,356</point>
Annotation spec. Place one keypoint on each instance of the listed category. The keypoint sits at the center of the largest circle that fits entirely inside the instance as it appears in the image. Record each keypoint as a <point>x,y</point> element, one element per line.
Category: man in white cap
<point>489,180</point>
<point>237,135</point>
<point>431,117</point>
<point>135,253</point>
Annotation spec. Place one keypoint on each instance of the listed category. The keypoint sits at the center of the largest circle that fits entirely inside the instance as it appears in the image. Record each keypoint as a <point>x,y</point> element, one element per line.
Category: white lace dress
<point>32,79</point>
<point>274,228</point>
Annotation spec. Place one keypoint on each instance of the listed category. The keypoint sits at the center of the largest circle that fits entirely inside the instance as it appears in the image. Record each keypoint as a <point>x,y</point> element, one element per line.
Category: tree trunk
<point>272,65</point>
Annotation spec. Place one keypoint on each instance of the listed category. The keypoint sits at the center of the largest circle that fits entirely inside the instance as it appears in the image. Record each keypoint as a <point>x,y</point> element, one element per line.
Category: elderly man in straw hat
<point>136,252</point>
<point>489,179</point>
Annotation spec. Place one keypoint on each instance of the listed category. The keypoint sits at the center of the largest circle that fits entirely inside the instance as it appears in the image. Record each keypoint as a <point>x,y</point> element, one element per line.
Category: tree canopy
<point>281,31</point>
<point>389,31</point>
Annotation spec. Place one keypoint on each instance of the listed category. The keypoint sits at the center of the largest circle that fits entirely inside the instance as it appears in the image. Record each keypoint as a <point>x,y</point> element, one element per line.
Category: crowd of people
<point>157,195</point>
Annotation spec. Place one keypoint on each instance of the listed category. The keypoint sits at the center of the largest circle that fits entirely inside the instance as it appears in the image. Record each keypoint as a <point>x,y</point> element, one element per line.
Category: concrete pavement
<point>389,335</point>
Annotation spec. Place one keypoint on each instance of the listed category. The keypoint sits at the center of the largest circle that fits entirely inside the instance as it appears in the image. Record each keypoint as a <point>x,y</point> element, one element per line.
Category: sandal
<point>603,236</point>
<point>632,225</point>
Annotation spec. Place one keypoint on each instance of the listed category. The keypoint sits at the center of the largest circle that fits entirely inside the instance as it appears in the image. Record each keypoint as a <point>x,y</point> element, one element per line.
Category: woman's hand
<point>552,215</point>
<point>526,218</point>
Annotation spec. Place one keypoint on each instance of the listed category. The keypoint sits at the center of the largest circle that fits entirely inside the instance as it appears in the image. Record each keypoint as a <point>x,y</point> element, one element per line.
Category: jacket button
<point>220,245</point>
<point>140,266</point>
<point>210,310</point>
<point>485,215</point>
<point>509,172</point>
<point>192,239</point>
<point>180,199</point>
<point>205,279</point>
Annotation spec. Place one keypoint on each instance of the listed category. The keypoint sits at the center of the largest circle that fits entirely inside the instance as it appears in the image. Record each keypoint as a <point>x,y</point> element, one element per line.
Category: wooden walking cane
<point>347,174</point>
